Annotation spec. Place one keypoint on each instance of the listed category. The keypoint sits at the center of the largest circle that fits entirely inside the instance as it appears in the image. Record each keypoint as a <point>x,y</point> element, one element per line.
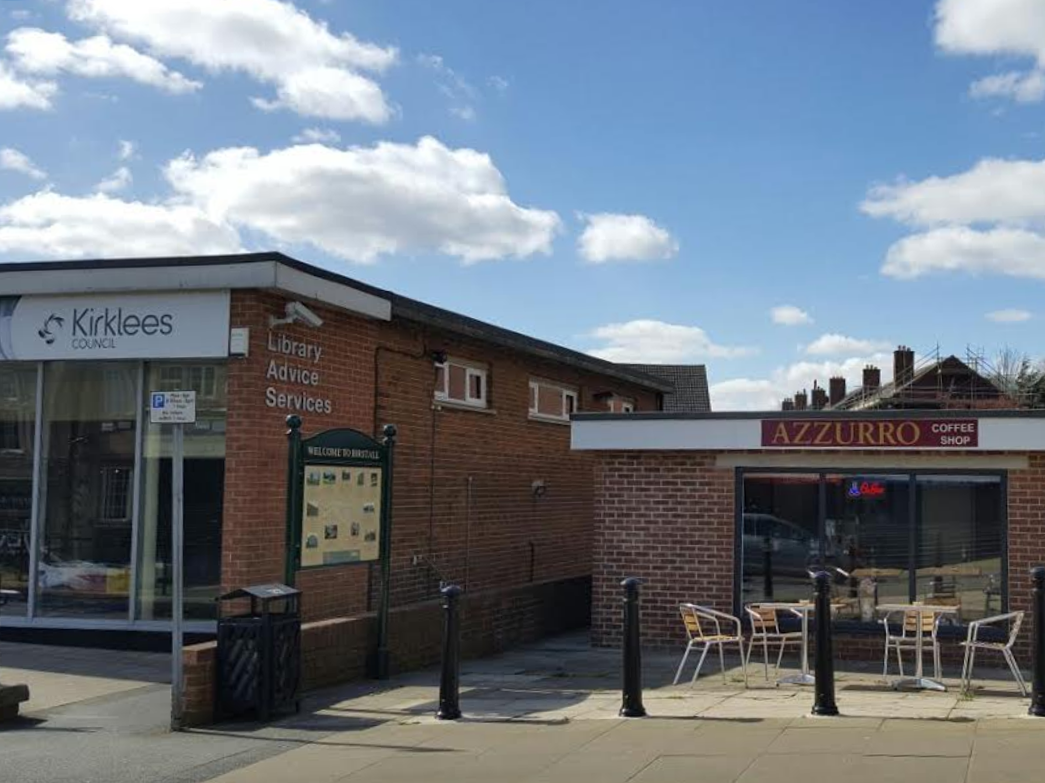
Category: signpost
<point>176,408</point>
<point>339,509</point>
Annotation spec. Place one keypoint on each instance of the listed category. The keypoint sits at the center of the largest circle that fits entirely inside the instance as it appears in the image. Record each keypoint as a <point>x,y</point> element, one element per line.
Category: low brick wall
<point>337,650</point>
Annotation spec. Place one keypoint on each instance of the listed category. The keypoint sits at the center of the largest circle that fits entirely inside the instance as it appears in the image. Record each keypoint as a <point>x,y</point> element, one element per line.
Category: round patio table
<point>919,680</point>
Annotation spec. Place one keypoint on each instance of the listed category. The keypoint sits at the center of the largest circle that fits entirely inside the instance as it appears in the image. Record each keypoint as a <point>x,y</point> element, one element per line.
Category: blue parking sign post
<point>176,408</point>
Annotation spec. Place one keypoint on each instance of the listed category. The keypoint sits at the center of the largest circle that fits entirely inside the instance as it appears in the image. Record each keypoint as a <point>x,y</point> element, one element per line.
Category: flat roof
<point>277,271</point>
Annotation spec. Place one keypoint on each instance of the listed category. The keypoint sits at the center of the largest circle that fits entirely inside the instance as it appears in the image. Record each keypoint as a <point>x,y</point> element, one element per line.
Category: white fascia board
<point>666,434</point>
<point>1017,433</point>
<point>298,283</point>
<point>199,277</point>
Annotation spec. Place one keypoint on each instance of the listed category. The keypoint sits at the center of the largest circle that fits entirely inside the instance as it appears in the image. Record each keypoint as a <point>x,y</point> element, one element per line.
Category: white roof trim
<point>745,434</point>
<point>256,274</point>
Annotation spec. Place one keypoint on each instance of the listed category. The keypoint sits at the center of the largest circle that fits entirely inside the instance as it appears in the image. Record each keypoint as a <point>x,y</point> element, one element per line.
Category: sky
<point>783,191</point>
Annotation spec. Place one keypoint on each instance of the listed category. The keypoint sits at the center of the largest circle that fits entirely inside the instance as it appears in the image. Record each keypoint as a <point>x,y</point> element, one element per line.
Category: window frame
<point>568,393</point>
<point>471,370</point>
<point>915,522</point>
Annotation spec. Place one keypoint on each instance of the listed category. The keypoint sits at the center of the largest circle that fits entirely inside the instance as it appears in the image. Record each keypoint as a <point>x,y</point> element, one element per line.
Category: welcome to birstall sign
<point>870,433</point>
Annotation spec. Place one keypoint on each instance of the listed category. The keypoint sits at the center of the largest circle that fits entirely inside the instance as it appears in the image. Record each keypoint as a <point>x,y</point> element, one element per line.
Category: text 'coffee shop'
<point>945,507</point>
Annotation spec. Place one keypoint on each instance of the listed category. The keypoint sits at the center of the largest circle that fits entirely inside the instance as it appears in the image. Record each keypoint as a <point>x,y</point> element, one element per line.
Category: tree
<point>1020,377</point>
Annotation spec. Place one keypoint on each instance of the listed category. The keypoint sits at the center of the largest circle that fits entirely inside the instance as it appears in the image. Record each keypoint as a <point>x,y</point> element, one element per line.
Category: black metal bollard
<point>450,679</point>
<point>631,706</point>
<point>824,703</point>
<point>1037,695</point>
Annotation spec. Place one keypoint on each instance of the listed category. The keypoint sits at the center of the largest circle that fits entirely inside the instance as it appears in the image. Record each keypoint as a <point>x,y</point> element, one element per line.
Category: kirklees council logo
<point>52,323</point>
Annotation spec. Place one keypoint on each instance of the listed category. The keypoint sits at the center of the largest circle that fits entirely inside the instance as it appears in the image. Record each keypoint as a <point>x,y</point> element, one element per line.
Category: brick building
<point>945,507</point>
<point>487,492</point>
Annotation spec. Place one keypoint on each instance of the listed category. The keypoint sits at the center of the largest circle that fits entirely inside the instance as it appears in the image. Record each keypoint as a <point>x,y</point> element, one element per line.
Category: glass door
<point>867,541</point>
<point>17,436</point>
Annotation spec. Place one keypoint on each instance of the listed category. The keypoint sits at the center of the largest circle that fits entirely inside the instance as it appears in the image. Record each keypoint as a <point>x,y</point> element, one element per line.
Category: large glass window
<point>960,543</point>
<point>17,436</point>
<point>204,482</point>
<point>860,527</point>
<point>86,502</point>
<point>867,536</point>
<point>780,535</point>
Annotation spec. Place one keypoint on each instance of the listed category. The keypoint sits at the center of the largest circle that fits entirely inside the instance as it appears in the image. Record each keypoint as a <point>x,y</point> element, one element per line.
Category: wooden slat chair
<point>973,643</point>
<point>707,628</point>
<point>765,627</point>
<point>908,639</point>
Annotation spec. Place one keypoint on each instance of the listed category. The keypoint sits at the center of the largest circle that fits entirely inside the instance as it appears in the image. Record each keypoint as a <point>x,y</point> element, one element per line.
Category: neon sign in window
<point>866,489</point>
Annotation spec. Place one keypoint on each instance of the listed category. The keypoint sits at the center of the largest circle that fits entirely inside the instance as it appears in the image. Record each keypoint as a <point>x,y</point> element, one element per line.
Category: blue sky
<point>646,181</point>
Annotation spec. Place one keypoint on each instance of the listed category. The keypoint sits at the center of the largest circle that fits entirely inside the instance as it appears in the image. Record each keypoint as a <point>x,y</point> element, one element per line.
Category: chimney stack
<point>903,365</point>
<point>872,377</point>
<point>836,390</point>
<point>801,400</point>
<point>819,397</point>
<point>787,405</point>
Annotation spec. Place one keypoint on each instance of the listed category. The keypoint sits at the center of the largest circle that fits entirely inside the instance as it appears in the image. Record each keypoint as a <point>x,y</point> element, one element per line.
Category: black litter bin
<point>259,653</point>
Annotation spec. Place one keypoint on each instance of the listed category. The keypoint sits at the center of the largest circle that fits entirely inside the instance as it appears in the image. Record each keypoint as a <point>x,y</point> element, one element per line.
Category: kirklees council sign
<point>179,325</point>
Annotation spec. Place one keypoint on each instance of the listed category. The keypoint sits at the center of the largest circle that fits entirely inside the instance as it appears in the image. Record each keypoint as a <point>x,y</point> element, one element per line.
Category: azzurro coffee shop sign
<point>191,324</point>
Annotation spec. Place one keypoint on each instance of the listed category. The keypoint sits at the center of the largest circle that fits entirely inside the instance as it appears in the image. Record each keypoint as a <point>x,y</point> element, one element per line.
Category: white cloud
<point>499,83</point>
<point>318,135</point>
<point>365,202</point>
<point>764,394</point>
<point>457,89</point>
<point>833,344</point>
<point>13,160</point>
<point>656,342</point>
<point>992,27</point>
<point>1009,316</point>
<point>1005,251</point>
<point>614,237</point>
<point>1022,87</point>
<point>991,191</point>
<point>43,53</point>
<point>996,28</point>
<point>315,71</point>
<point>17,92</point>
<point>789,315</point>
<point>50,225</point>
<point>117,181</point>
<point>331,93</point>
<point>126,150</point>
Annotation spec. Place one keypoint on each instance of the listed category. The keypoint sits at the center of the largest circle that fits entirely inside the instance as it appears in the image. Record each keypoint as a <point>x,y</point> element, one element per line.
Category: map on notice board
<point>341,515</point>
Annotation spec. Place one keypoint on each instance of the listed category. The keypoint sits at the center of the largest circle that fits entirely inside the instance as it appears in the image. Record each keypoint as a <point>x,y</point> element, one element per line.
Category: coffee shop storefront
<point>729,509</point>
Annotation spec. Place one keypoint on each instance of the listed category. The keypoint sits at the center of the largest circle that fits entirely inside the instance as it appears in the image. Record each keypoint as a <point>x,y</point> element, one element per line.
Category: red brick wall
<point>336,650</point>
<point>375,373</point>
<point>668,517</point>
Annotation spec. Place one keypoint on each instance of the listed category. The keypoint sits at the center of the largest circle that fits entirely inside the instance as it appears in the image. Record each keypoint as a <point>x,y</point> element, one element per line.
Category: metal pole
<point>177,547</point>
<point>293,534</point>
<point>382,657</point>
<point>824,703</point>
<point>1037,699</point>
<point>450,679</point>
<point>631,706</point>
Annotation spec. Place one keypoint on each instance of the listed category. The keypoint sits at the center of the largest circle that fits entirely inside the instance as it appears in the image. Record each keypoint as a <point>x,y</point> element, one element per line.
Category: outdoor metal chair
<point>704,627</point>
<point>907,639</point>
<point>973,643</point>
<point>765,627</point>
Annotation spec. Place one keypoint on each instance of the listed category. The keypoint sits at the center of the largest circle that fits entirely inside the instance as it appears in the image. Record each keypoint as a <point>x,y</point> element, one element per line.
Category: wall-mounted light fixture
<point>538,488</point>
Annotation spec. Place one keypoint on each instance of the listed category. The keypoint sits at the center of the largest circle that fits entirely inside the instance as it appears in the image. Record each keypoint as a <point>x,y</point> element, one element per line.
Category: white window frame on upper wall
<point>471,371</point>
<point>568,393</point>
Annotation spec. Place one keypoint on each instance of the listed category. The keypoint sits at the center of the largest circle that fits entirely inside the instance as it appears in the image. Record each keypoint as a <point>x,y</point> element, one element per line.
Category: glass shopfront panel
<point>86,501</point>
<point>867,534</point>
<point>17,439</point>
<point>780,535</point>
<point>204,485</point>
<point>884,538</point>
<point>959,551</point>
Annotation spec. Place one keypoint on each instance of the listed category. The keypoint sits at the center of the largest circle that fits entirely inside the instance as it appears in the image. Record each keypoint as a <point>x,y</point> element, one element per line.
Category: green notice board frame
<point>339,500</point>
